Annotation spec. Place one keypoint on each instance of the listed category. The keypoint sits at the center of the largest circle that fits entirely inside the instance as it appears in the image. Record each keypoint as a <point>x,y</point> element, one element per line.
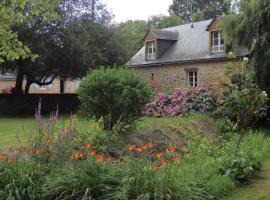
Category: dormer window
<point>151,50</point>
<point>217,42</point>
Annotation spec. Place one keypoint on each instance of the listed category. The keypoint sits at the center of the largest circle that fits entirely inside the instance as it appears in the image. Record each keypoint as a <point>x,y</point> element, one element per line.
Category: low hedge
<point>25,104</point>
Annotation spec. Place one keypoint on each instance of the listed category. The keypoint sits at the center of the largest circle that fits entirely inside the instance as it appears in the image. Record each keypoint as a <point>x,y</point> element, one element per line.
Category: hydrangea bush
<point>182,101</point>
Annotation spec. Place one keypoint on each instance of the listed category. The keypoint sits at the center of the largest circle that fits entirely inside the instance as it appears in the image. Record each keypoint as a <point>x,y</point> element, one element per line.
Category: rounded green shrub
<point>115,94</point>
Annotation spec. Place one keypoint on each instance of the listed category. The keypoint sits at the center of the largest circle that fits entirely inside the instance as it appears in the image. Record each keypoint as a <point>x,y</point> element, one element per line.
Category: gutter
<point>187,61</point>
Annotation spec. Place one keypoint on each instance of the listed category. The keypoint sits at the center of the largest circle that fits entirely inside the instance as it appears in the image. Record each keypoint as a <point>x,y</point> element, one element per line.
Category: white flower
<point>246,59</point>
<point>264,93</point>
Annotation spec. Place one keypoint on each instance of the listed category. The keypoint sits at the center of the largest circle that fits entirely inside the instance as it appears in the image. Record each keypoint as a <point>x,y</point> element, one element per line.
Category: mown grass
<point>10,127</point>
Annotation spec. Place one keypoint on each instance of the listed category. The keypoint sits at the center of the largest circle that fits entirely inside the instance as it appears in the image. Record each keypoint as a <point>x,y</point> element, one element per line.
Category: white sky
<point>137,9</point>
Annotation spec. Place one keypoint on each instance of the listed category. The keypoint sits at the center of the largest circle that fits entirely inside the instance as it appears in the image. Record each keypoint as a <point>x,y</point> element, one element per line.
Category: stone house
<point>8,80</point>
<point>183,56</point>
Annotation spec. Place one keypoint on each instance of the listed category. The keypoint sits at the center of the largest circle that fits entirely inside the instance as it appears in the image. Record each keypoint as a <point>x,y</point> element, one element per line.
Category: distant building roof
<point>8,76</point>
<point>192,44</point>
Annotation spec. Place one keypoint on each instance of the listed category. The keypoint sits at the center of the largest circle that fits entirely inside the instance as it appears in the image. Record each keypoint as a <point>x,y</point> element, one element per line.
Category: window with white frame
<point>193,78</point>
<point>217,42</point>
<point>151,50</point>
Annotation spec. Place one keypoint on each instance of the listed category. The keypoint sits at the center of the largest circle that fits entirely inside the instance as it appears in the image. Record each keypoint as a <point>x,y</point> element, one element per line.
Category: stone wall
<point>210,74</point>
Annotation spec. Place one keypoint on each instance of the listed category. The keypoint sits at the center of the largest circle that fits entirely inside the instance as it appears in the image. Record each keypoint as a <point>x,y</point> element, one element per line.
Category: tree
<point>67,48</point>
<point>163,21</point>
<point>250,28</point>
<point>132,33</point>
<point>209,8</point>
<point>17,13</point>
<point>91,9</point>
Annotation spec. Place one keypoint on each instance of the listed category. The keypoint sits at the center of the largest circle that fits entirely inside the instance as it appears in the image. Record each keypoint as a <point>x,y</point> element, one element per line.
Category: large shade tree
<point>249,27</point>
<point>66,48</point>
<point>205,9</point>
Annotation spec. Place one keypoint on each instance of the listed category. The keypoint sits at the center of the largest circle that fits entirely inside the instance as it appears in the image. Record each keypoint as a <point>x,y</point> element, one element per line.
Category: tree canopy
<point>67,48</point>
<point>207,8</point>
<point>250,28</point>
<point>22,12</point>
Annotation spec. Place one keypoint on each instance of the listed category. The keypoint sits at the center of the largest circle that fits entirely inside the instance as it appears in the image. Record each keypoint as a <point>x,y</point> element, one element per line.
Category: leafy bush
<point>182,101</point>
<point>242,168</point>
<point>117,95</point>
<point>243,101</point>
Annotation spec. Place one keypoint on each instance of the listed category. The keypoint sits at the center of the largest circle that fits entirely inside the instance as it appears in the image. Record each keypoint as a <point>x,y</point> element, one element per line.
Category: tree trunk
<point>19,81</point>
<point>27,87</point>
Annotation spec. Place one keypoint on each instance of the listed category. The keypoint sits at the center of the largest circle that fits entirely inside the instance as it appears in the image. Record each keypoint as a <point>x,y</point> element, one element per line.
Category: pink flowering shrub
<point>8,90</point>
<point>182,101</point>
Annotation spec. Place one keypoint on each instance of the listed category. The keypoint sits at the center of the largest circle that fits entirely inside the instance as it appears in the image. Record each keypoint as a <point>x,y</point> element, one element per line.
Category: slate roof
<point>192,45</point>
<point>164,34</point>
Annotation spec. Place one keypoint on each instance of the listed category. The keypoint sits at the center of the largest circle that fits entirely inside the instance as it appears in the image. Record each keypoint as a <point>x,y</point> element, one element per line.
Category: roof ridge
<point>181,25</point>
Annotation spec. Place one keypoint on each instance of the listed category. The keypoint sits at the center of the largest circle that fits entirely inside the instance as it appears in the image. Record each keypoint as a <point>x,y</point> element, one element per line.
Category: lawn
<point>11,127</point>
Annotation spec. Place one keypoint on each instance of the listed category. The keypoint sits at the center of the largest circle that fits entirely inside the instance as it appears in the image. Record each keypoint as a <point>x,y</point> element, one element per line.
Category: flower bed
<point>183,101</point>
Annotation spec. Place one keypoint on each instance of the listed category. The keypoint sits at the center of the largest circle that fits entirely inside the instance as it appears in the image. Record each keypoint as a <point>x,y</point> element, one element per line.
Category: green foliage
<point>116,95</point>
<point>241,169</point>
<point>197,16</point>
<point>249,28</point>
<point>21,181</point>
<point>16,13</point>
<point>244,102</point>
<point>209,8</point>
<point>162,21</point>
<point>89,181</point>
<point>208,169</point>
<point>132,33</point>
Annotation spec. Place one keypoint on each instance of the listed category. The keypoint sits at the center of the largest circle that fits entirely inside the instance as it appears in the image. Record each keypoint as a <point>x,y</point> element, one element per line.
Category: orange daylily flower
<point>76,155</point>
<point>176,159</point>
<point>80,154</point>
<point>1,155</point>
<point>144,147</point>
<point>172,149</point>
<point>139,149</point>
<point>159,154</point>
<point>110,158</point>
<point>88,146</point>
<point>131,147</point>
<point>164,162</point>
<point>49,140</point>
<point>150,145</point>
<point>100,158</point>
<point>11,160</point>
<point>93,152</point>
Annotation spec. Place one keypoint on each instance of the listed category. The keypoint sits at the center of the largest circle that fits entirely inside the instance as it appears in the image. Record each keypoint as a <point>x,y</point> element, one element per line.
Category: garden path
<point>259,190</point>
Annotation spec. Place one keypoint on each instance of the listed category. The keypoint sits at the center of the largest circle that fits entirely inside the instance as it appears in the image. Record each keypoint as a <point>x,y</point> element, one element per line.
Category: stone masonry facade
<point>209,74</point>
